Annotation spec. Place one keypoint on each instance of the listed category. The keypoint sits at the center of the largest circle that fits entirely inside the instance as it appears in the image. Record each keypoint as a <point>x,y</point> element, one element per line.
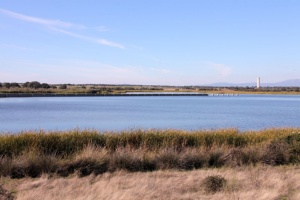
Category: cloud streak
<point>44,22</point>
<point>59,26</point>
<point>90,39</point>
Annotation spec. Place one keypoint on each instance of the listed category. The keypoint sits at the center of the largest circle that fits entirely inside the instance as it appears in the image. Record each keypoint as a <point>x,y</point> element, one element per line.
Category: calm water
<point>245,112</point>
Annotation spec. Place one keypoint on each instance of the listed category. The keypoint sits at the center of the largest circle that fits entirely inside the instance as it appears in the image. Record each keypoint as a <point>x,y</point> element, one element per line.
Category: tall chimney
<point>258,82</point>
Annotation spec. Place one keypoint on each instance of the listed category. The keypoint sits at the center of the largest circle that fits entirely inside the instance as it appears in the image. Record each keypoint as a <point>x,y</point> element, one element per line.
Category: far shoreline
<point>135,94</point>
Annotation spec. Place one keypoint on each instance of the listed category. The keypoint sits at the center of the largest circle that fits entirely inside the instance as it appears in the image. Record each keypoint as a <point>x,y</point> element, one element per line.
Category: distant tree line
<point>33,84</point>
<point>9,85</point>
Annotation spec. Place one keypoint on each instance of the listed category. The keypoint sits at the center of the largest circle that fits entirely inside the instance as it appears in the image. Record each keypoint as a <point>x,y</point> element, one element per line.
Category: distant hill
<point>286,83</point>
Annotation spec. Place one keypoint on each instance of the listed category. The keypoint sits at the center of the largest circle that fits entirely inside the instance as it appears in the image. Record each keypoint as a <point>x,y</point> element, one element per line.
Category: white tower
<point>258,82</point>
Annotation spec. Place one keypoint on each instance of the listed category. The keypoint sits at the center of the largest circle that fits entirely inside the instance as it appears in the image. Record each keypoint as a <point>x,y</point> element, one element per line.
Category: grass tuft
<point>214,184</point>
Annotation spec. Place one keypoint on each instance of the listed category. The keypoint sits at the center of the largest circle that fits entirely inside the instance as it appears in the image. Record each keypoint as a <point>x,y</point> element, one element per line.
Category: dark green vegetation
<point>36,87</point>
<point>86,152</point>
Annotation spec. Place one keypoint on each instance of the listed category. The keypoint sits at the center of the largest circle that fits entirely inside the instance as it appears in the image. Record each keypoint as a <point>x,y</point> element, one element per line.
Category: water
<point>244,112</point>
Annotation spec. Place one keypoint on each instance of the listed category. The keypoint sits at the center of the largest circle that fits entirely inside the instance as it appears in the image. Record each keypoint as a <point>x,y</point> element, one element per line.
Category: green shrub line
<point>31,153</point>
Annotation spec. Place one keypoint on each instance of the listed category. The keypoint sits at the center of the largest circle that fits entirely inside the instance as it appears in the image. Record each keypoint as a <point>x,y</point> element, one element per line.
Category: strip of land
<point>34,88</point>
<point>100,95</point>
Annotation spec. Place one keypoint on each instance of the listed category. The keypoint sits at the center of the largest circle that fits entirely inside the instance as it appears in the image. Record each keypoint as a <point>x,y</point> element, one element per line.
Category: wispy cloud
<point>221,69</point>
<point>45,22</point>
<point>91,39</point>
<point>59,26</point>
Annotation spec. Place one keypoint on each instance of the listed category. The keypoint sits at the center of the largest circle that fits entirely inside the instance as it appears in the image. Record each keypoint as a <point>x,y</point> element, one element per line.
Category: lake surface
<point>244,112</point>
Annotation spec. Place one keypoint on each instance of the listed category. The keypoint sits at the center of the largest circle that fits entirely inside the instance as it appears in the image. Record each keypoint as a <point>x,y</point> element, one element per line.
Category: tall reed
<point>89,151</point>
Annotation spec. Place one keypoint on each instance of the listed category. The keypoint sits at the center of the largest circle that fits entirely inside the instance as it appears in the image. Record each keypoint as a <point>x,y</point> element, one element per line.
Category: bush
<point>167,159</point>
<point>245,156</point>
<point>6,85</point>
<point>293,142</point>
<point>216,158</point>
<point>45,86</point>
<point>214,183</point>
<point>277,153</point>
<point>127,160</point>
<point>32,164</point>
<point>15,85</point>
<point>26,84</point>
<point>192,159</point>
<point>63,86</point>
<point>34,84</point>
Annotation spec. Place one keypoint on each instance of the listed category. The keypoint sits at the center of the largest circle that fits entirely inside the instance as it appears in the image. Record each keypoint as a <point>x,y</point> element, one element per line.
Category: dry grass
<point>260,183</point>
<point>33,154</point>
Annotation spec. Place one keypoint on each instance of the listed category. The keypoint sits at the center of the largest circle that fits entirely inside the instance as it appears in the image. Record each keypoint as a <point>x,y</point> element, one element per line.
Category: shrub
<point>15,85</point>
<point>167,159</point>
<point>34,84</point>
<point>32,164</point>
<point>192,159</point>
<point>91,159</point>
<point>214,184</point>
<point>127,160</point>
<point>45,86</point>
<point>26,84</point>
<point>216,158</point>
<point>245,156</point>
<point>277,153</point>
<point>293,142</point>
<point>6,85</point>
<point>63,86</point>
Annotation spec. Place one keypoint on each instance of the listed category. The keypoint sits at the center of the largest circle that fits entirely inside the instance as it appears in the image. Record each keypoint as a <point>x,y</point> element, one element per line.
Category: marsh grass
<point>91,152</point>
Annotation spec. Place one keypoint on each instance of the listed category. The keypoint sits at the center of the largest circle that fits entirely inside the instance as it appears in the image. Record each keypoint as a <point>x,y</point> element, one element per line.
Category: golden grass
<point>90,152</point>
<point>247,183</point>
<point>69,142</point>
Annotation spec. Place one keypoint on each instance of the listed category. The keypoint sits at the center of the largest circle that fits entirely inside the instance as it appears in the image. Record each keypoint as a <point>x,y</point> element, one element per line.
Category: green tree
<point>63,86</point>
<point>25,84</point>
<point>45,86</point>
<point>15,85</point>
<point>35,84</point>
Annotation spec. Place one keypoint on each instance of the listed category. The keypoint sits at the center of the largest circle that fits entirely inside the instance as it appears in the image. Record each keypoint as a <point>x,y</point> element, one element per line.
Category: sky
<point>149,42</point>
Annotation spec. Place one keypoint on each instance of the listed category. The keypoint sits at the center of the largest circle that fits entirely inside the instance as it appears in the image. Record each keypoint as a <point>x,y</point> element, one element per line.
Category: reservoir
<point>243,112</point>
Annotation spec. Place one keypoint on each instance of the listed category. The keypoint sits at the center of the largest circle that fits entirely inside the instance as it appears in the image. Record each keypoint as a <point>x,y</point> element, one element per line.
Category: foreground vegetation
<point>168,164</point>
<point>90,152</point>
<point>247,183</point>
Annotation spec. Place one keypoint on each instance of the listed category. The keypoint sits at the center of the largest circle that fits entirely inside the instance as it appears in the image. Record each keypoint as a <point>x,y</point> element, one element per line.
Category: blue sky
<point>168,42</point>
